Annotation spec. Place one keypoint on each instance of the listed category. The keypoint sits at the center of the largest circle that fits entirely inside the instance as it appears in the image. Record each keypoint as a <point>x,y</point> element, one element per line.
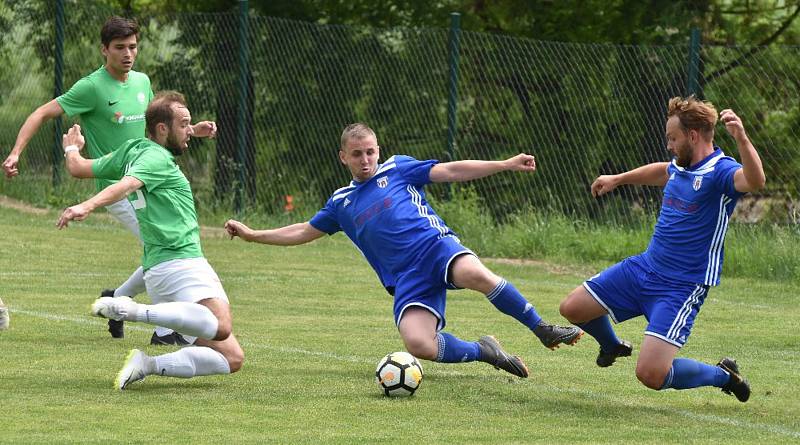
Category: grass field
<point>314,321</point>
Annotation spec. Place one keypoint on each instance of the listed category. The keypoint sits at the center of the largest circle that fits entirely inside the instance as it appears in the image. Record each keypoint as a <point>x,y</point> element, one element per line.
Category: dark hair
<point>118,28</point>
<point>160,110</point>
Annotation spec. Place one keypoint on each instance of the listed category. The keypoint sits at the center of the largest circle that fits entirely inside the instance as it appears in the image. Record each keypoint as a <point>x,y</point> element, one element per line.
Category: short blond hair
<point>694,114</point>
<point>356,131</point>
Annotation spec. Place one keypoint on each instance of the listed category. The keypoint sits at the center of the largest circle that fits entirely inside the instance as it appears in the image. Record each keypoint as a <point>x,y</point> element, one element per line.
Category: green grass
<point>314,322</point>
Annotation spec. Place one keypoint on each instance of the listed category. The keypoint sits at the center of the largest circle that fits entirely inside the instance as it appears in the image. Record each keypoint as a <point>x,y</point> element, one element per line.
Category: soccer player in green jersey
<point>186,292</point>
<point>111,103</point>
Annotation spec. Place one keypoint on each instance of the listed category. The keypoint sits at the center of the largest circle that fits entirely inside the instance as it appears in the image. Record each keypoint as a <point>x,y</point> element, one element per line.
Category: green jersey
<point>111,112</point>
<point>164,205</point>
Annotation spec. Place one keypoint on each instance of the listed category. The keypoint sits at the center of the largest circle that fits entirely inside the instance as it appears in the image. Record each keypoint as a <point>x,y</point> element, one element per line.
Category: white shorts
<point>124,212</point>
<point>186,279</point>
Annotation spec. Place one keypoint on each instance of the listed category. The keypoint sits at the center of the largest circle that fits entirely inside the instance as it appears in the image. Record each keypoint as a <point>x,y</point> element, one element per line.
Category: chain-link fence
<point>582,109</point>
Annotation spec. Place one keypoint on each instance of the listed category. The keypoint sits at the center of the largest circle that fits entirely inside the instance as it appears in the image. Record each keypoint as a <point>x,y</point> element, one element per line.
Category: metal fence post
<point>693,80</point>
<point>455,36</point>
<point>58,88</point>
<point>242,115</point>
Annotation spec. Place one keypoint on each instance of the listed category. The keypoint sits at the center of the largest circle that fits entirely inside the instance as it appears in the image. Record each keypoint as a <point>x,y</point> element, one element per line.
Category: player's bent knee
<point>568,310</point>
<point>421,348</point>
<point>235,360</point>
<point>223,331</point>
<point>651,377</point>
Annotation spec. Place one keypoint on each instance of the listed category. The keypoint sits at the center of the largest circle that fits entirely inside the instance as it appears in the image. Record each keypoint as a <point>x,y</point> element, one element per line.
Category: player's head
<point>169,121</point>
<point>119,37</point>
<point>359,151</point>
<point>690,125</point>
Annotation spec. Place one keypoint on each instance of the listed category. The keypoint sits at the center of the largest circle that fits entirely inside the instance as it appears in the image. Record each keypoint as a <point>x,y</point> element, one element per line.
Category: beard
<point>174,145</point>
<point>683,156</point>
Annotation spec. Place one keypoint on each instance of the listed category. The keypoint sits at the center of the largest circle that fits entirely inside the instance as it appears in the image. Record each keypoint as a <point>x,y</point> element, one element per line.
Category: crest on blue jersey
<point>698,181</point>
<point>383,182</point>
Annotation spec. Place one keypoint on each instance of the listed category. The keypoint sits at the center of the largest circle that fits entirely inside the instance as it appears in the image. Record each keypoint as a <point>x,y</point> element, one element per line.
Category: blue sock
<point>454,350</point>
<point>507,299</point>
<point>600,328</point>
<point>687,373</point>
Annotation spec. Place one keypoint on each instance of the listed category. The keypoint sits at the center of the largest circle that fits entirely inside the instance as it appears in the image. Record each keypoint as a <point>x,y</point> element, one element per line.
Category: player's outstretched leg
<point>191,319</point>
<point>193,361</point>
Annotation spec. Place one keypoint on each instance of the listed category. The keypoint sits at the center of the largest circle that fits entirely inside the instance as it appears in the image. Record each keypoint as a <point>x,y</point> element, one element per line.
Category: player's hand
<point>10,166</point>
<point>235,228</point>
<point>604,184</point>
<point>733,123</point>
<point>77,212</point>
<point>204,129</point>
<point>522,162</point>
<point>73,136</point>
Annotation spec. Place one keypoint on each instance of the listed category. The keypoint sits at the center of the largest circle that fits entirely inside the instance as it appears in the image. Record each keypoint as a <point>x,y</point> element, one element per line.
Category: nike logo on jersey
<point>111,104</point>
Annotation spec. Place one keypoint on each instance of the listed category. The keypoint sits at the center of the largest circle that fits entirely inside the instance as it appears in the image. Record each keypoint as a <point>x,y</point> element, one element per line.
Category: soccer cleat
<point>170,339</point>
<point>493,354</point>
<point>114,308</point>
<point>133,370</point>
<point>606,359</point>
<point>737,385</point>
<point>552,335</point>
<point>115,327</point>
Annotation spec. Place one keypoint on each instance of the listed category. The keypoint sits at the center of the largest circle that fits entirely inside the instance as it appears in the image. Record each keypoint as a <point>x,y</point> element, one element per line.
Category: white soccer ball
<point>399,374</point>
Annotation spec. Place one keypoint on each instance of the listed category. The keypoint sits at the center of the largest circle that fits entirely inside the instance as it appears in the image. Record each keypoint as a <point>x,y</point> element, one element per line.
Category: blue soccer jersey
<point>386,216</point>
<point>687,243</point>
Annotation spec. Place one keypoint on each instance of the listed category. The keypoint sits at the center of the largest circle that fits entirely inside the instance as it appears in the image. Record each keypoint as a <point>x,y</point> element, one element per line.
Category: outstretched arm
<point>109,195</point>
<point>291,235</point>
<point>460,171</point>
<point>32,124</point>
<point>77,165</point>
<point>651,174</point>
<point>204,129</point>
<point>751,176</point>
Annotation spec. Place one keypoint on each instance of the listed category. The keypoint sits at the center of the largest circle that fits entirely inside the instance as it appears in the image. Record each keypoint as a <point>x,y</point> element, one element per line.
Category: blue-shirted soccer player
<point>670,280</point>
<point>416,256</point>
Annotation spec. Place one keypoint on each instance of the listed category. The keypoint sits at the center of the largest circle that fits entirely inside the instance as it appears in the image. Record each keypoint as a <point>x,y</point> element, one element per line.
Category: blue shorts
<point>631,288</point>
<point>426,283</point>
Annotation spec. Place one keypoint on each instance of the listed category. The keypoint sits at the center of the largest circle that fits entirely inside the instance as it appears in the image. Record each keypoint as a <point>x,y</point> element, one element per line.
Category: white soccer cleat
<point>134,369</point>
<point>114,308</point>
<point>5,319</point>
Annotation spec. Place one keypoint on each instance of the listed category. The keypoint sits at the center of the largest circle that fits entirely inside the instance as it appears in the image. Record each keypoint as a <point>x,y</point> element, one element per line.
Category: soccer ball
<point>399,374</point>
<point>5,320</point>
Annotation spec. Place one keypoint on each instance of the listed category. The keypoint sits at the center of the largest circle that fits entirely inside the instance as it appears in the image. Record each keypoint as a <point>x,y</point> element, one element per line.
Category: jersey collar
<point>708,162</point>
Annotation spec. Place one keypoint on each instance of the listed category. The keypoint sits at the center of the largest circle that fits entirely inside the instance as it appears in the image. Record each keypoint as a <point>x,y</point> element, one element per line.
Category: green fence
<point>582,109</point>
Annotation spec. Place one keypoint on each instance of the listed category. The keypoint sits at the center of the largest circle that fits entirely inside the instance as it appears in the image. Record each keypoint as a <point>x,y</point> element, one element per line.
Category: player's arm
<point>751,176</point>
<point>290,235</point>
<point>48,111</point>
<point>109,195</point>
<point>204,129</point>
<point>459,171</point>
<point>651,174</point>
<point>77,165</point>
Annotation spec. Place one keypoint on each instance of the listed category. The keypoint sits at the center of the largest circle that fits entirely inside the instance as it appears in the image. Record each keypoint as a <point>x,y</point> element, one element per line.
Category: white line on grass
<point>775,429</point>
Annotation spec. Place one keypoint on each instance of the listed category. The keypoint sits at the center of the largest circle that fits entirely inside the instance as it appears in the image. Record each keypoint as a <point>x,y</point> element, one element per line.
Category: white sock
<point>191,361</point>
<point>133,286</point>
<point>191,319</point>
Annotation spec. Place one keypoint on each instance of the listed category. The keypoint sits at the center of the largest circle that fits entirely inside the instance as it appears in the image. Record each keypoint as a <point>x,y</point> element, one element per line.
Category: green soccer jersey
<point>164,205</point>
<point>111,112</point>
